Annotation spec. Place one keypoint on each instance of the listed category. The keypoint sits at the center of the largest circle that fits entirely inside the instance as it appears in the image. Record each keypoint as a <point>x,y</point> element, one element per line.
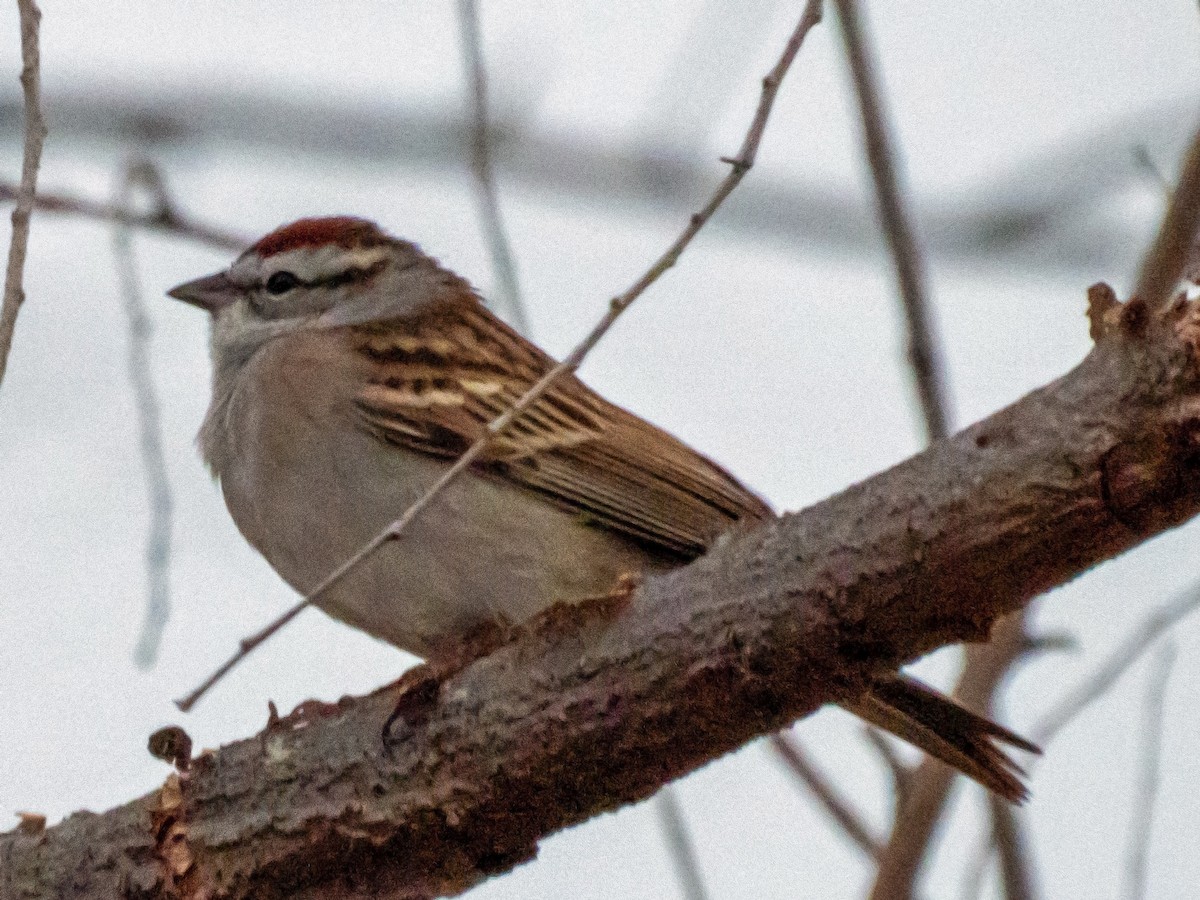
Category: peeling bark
<point>589,711</point>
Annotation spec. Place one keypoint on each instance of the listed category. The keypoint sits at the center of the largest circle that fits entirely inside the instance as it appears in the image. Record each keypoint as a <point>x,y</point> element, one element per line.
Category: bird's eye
<point>281,282</point>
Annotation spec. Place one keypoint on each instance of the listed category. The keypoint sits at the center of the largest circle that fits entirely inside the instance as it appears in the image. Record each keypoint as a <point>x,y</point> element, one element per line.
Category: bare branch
<point>1141,820</point>
<point>1167,260</point>
<point>167,219</point>
<point>912,829</point>
<point>837,806</point>
<point>35,136</point>
<point>740,165</point>
<point>923,354</point>
<point>1040,213</point>
<point>915,824</point>
<point>154,463</point>
<point>921,794</point>
<point>504,267</point>
<point>1145,162</point>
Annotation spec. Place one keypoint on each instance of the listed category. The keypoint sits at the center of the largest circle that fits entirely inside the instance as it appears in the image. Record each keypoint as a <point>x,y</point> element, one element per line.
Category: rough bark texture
<point>599,708</point>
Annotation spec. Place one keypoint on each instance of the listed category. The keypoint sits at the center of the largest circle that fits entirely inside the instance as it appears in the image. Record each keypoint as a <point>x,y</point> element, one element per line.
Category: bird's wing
<point>437,382</point>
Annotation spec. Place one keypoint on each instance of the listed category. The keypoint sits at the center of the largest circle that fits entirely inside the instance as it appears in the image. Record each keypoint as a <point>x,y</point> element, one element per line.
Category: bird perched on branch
<point>351,370</point>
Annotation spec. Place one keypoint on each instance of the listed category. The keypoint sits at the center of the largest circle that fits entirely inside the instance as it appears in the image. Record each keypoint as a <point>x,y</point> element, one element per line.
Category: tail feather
<point>945,729</point>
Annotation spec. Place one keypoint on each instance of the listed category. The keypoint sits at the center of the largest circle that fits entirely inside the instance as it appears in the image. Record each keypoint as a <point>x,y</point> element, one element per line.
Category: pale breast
<point>308,486</point>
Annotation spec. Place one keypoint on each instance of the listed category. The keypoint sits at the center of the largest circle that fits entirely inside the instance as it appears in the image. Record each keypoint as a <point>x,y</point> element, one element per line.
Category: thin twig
<point>1009,838</point>
<point>1168,258</point>
<point>739,166</point>
<point>1105,675</point>
<point>836,805</point>
<point>35,136</point>
<point>923,354</point>
<point>168,219</point>
<point>504,267</point>
<point>1009,643</point>
<point>1141,821</point>
<point>143,174</point>
<point>679,845</point>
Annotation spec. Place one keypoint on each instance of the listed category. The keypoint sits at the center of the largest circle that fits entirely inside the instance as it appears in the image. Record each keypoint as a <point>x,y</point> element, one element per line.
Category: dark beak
<point>212,293</point>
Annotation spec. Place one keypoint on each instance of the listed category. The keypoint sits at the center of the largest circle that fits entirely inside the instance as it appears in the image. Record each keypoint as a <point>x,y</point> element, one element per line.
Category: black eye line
<point>281,282</point>
<point>353,274</point>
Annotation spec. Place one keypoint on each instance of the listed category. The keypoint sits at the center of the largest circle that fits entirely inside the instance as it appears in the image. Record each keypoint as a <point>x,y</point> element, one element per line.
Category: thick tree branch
<point>595,708</point>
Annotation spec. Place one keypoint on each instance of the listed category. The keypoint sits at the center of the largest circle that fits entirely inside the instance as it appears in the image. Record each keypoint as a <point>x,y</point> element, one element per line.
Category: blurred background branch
<point>1046,213</point>
<point>838,807</point>
<point>504,265</point>
<point>1141,820</point>
<point>167,219</point>
<point>140,176</point>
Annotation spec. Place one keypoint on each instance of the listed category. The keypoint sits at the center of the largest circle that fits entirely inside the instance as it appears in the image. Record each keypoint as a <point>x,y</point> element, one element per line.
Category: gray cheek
<point>370,306</point>
<point>391,294</point>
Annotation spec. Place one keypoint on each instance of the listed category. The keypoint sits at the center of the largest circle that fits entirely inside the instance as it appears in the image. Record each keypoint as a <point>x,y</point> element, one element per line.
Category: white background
<point>782,361</point>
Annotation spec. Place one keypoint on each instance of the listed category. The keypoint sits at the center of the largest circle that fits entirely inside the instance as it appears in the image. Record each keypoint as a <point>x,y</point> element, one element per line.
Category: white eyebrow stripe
<point>318,264</point>
<point>365,257</point>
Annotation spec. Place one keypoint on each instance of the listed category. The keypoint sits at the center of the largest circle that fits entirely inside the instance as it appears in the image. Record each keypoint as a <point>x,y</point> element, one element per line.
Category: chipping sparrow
<point>350,369</point>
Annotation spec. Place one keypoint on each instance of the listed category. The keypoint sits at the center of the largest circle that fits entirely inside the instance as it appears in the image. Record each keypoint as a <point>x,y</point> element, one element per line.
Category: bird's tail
<point>945,729</point>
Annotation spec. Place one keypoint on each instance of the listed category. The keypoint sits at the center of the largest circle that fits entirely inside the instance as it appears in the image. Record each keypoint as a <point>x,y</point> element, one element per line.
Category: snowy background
<point>775,347</point>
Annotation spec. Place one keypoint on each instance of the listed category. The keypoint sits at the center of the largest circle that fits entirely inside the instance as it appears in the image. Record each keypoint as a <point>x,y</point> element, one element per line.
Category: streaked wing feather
<point>440,380</point>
